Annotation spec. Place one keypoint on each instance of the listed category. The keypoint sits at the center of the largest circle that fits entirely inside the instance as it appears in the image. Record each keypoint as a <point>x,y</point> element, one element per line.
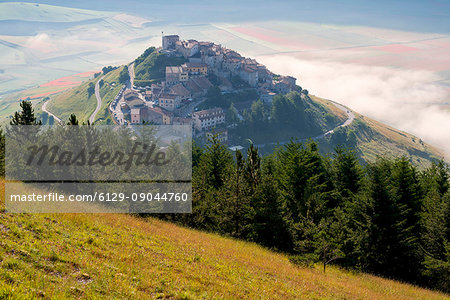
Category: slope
<point>122,256</point>
<point>78,101</point>
<point>108,91</point>
<point>372,138</point>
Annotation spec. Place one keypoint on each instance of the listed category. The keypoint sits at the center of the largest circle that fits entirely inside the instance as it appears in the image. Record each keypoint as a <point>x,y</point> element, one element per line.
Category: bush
<point>124,76</point>
<point>144,55</point>
<point>304,260</point>
<point>106,70</point>
<point>91,89</point>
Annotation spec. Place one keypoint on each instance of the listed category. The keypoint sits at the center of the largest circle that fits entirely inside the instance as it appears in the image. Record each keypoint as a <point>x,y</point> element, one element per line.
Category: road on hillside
<point>350,118</point>
<point>99,101</point>
<point>44,109</point>
<point>348,121</point>
<point>131,73</point>
<point>116,112</point>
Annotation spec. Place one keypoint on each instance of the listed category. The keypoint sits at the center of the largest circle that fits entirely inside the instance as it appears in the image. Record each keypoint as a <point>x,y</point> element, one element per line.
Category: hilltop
<point>122,256</point>
<point>180,82</point>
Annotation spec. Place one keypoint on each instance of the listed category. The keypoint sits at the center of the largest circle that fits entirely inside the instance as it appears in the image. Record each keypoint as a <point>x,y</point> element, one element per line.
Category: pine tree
<point>252,167</point>
<point>25,116</point>
<point>197,152</point>
<point>2,153</point>
<point>72,120</point>
<point>384,215</point>
<point>329,237</point>
<point>215,163</point>
<point>406,193</point>
<point>443,177</point>
<point>211,174</point>
<point>268,226</point>
<point>236,206</point>
<point>347,171</point>
<point>305,189</point>
<point>435,227</point>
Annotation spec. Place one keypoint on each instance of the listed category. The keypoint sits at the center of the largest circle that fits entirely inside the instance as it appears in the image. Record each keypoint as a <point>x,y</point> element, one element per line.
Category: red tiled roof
<point>208,113</point>
<point>180,90</point>
<point>161,111</point>
<point>198,84</point>
<point>202,82</point>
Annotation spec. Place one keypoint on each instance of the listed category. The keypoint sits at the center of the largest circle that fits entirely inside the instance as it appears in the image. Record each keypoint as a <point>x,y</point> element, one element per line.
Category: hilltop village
<point>177,97</point>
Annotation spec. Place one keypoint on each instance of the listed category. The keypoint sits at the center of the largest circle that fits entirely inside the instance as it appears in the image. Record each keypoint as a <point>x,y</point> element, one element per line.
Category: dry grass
<point>386,140</point>
<point>402,137</point>
<point>121,256</point>
<point>390,142</point>
<point>342,116</point>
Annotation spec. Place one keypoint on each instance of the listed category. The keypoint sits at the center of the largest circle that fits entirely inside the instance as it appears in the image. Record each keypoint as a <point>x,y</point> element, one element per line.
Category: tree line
<point>290,115</point>
<point>387,217</point>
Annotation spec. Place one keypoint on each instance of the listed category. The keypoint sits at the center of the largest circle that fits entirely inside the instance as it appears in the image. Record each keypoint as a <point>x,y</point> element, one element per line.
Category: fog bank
<point>409,100</point>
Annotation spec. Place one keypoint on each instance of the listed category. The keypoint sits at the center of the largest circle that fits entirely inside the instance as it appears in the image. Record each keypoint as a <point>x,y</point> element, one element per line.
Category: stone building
<point>208,118</point>
<point>169,41</point>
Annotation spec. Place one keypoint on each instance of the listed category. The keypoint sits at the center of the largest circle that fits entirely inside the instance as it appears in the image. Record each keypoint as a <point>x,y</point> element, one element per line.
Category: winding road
<point>44,109</point>
<point>99,101</point>
<point>350,118</point>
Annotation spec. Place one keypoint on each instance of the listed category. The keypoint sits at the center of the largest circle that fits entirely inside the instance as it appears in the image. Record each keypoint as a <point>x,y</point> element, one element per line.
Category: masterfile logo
<point>139,169</point>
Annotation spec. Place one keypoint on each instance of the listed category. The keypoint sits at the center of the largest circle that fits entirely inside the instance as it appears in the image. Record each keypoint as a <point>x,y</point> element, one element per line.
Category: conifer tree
<point>2,153</point>
<point>384,215</point>
<point>268,226</point>
<point>215,163</point>
<point>406,193</point>
<point>347,171</point>
<point>25,116</point>
<point>72,120</point>
<point>252,168</point>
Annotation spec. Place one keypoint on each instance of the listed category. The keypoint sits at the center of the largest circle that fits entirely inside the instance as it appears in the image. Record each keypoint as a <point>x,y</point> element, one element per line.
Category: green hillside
<point>74,101</point>
<point>294,115</point>
<point>79,102</point>
<point>82,256</point>
<point>150,67</point>
<point>108,92</point>
<point>371,138</point>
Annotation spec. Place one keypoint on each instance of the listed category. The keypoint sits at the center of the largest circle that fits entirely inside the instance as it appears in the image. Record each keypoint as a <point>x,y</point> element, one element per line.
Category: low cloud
<point>89,39</point>
<point>40,42</point>
<point>409,100</point>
